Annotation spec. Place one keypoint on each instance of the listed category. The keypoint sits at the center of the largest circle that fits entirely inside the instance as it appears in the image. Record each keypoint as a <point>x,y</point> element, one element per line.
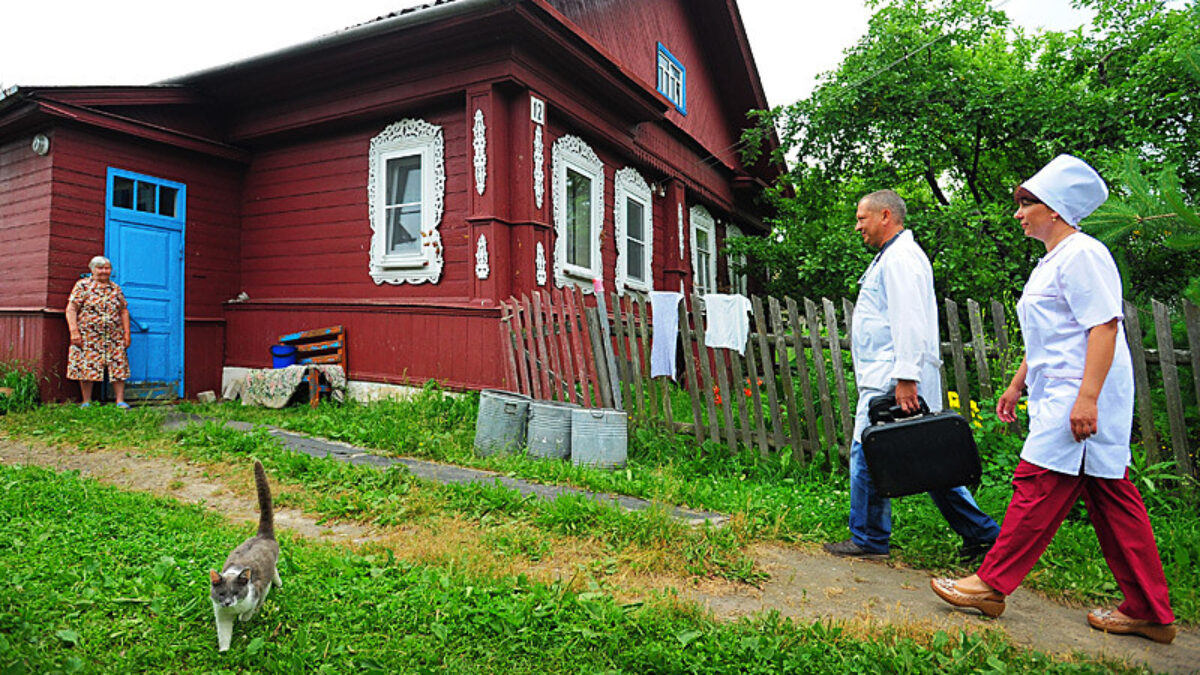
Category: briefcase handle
<point>884,409</point>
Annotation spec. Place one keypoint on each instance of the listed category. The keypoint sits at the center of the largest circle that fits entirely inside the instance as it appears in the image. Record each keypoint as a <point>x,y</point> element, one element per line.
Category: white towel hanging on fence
<point>727,323</point>
<point>666,331</point>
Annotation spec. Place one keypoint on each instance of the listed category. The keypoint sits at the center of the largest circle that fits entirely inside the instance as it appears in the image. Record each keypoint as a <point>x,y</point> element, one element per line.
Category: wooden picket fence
<point>794,386</point>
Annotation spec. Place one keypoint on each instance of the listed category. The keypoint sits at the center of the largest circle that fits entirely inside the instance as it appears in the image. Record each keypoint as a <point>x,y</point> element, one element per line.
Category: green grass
<point>770,499</point>
<point>23,382</point>
<point>99,580</point>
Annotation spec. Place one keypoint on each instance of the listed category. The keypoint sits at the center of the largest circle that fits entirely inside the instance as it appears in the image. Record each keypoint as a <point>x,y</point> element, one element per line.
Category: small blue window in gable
<point>672,79</point>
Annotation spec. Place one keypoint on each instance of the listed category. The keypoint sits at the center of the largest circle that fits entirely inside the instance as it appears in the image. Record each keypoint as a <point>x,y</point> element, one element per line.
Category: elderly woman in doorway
<point>1080,383</point>
<point>98,319</point>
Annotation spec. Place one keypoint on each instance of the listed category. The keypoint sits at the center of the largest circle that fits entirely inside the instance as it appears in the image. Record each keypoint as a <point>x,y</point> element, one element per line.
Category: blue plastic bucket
<point>283,356</point>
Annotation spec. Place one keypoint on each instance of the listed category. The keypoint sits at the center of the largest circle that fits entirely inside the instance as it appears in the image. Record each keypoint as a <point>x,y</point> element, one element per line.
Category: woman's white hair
<point>99,261</point>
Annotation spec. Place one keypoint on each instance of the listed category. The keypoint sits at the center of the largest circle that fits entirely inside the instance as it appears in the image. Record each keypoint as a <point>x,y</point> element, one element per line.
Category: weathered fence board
<point>961,385</point>
<point>810,415</point>
<point>785,371</point>
<point>814,339</point>
<point>778,437</point>
<point>979,348</point>
<point>693,386</point>
<point>1170,374</point>
<point>771,397</point>
<point>839,375</point>
<point>1141,383</point>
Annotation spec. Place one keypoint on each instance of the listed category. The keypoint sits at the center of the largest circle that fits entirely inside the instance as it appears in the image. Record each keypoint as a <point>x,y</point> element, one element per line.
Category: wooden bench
<point>323,346</point>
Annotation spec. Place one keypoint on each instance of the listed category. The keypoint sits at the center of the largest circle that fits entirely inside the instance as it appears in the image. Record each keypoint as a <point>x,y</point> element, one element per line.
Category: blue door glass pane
<point>122,195</point>
<point>147,197</point>
<point>167,196</point>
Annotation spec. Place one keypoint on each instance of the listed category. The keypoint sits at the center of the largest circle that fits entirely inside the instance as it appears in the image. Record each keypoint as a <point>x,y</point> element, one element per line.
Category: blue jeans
<point>871,515</point>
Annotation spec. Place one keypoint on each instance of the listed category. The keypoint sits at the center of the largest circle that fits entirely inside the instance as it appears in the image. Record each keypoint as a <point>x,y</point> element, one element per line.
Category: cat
<point>249,571</point>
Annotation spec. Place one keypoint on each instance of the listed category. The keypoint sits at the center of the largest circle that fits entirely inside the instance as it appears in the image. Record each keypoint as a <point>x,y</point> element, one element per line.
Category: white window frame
<point>406,138</point>
<point>628,185</point>
<point>703,281</point>
<point>571,152</point>
<point>738,283</point>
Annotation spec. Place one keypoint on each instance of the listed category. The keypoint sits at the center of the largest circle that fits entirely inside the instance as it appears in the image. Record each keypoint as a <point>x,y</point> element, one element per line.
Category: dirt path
<point>803,585</point>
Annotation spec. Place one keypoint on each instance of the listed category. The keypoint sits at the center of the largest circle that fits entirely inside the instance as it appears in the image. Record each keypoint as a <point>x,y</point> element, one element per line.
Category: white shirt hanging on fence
<point>1075,287</point>
<point>665,305</point>
<point>727,323</point>
<point>894,335</point>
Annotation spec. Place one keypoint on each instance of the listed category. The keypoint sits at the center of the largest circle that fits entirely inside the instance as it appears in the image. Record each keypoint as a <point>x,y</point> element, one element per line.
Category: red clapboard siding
<point>204,350</point>
<point>634,44</point>
<point>81,160</point>
<point>307,222</point>
<point>401,345</point>
<point>21,335</point>
<point>25,178</point>
<point>213,189</point>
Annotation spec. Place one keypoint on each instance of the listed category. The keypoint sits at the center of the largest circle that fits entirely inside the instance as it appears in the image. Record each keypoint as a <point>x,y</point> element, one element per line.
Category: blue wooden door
<point>144,236</point>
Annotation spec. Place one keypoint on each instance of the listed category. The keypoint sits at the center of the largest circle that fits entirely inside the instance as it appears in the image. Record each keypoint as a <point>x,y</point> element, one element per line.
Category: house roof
<point>718,23</point>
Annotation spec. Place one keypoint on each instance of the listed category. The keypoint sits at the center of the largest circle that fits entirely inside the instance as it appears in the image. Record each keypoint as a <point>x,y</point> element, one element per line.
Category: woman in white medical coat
<point>1079,379</point>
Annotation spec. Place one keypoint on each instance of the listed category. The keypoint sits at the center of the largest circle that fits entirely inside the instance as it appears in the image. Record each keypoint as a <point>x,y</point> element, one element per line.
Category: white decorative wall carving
<point>417,136</point>
<point>479,141</point>
<point>679,222</point>
<point>482,268</point>
<point>628,183</point>
<point>539,263</point>
<point>539,170</point>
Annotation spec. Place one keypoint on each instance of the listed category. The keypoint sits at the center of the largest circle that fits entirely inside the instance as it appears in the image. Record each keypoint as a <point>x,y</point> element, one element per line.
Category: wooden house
<point>400,178</point>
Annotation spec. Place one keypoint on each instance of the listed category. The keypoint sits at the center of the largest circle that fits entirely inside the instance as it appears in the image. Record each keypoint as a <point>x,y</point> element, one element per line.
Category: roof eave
<point>442,9</point>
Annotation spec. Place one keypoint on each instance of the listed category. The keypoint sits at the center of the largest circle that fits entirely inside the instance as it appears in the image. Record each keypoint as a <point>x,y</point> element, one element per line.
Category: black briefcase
<point>918,453</point>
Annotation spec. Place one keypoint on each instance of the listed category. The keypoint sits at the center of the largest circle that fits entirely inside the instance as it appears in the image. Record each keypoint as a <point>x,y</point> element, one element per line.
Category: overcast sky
<point>71,42</point>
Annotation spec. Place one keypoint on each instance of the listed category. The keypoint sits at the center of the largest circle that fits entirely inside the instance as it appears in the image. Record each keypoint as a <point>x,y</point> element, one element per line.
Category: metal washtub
<point>599,437</point>
<point>500,426</point>
<point>549,431</point>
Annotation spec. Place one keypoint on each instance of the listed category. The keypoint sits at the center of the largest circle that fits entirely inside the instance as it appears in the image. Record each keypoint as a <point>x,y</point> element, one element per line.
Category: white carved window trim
<point>703,280</point>
<point>628,185</point>
<point>400,139</point>
<point>738,283</point>
<point>572,152</point>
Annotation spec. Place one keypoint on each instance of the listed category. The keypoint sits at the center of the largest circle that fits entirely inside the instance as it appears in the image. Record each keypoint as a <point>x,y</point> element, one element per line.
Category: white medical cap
<point>1069,186</point>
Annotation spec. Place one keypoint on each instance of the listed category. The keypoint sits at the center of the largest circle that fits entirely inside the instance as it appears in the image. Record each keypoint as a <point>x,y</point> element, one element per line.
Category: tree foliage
<point>950,104</point>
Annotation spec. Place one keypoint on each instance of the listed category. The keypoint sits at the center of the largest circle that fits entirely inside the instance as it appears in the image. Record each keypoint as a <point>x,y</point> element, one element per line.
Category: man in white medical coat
<point>895,345</point>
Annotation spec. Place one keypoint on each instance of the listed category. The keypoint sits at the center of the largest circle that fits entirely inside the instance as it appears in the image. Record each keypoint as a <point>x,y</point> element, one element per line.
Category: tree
<point>952,106</point>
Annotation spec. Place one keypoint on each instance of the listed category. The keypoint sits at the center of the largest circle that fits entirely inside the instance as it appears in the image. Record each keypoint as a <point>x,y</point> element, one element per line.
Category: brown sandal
<point>991,603</point>
<point>1108,621</point>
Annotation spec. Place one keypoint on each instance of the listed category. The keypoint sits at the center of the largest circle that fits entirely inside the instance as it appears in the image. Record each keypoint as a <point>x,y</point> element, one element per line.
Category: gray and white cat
<point>243,584</point>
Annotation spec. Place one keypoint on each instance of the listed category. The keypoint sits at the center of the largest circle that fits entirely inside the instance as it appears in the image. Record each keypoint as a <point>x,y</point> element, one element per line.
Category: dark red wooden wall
<point>633,41</point>
<point>56,227</point>
<point>306,236</point>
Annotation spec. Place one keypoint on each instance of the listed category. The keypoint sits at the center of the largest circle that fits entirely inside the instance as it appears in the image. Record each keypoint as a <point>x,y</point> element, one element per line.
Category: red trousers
<point>1042,499</point>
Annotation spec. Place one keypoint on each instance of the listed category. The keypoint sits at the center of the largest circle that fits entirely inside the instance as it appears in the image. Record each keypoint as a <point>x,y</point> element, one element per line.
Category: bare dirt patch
<point>805,584</point>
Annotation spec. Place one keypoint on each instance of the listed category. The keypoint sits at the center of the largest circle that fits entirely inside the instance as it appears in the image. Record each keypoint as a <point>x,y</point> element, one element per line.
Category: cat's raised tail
<point>266,511</point>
